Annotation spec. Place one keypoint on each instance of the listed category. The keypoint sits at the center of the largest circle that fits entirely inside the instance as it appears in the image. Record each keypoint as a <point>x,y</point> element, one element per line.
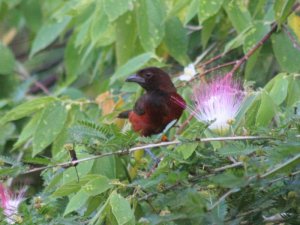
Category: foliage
<point>62,71</point>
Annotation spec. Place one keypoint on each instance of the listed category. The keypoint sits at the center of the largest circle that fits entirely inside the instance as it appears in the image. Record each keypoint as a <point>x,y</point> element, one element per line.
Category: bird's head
<point>153,78</point>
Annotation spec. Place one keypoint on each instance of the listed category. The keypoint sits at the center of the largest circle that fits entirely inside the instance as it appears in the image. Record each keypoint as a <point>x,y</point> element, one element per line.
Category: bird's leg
<point>153,157</point>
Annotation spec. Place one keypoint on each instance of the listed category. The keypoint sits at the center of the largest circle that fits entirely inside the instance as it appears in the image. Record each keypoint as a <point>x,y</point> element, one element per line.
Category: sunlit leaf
<point>50,125</point>
<point>266,110</point>
<point>121,209</point>
<point>26,109</point>
<point>208,8</point>
<point>115,8</point>
<point>131,66</point>
<point>238,14</point>
<point>76,202</point>
<point>282,9</point>
<point>150,23</point>
<point>177,40</point>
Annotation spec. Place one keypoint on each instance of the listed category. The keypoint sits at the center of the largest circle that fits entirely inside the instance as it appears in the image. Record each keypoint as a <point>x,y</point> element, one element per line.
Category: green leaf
<point>47,34</point>
<point>6,132</point>
<point>72,60</point>
<point>288,165</point>
<point>293,90</point>
<point>176,40</point>
<point>131,66</point>
<point>26,109</point>
<point>236,149</point>
<point>237,41</point>
<point>33,14</point>
<point>246,105</point>
<point>99,25</point>
<point>238,14</point>
<point>97,186</point>
<point>76,202</point>
<point>187,149</point>
<point>101,213</point>
<point>279,90</point>
<point>116,8</point>
<point>266,110</point>
<point>282,8</point>
<point>50,125</point>
<point>255,34</point>
<point>286,54</point>
<point>208,9</point>
<point>192,11</point>
<point>121,209</point>
<point>29,129</point>
<point>7,60</point>
<point>150,23</point>
<point>126,37</point>
<point>208,27</point>
<point>229,180</point>
<point>178,7</point>
<point>74,186</point>
<point>82,169</point>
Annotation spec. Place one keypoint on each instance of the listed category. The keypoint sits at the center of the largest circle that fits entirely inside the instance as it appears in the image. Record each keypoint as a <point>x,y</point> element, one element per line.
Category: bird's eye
<point>148,75</point>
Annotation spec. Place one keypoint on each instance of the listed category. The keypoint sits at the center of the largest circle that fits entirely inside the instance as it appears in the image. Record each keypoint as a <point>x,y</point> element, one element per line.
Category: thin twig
<point>217,68</point>
<point>223,198</point>
<point>197,76</point>
<point>212,60</point>
<point>287,176</point>
<point>295,158</point>
<point>25,74</point>
<point>275,218</point>
<point>237,164</point>
<point>134,149</point>
<point>291,37</point>
<point>184,124</point>
<point>252,50</point>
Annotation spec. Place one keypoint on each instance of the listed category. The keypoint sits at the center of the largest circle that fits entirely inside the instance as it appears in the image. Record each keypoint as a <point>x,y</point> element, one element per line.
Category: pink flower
<point>218,102</point>
<point>10,203</point>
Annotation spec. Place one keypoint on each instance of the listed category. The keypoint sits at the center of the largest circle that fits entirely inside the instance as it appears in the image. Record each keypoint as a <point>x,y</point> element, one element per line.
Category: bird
<point>158,106</point>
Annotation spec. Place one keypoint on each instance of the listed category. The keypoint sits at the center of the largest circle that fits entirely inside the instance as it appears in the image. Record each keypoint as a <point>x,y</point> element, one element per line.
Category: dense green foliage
<point>57,56</point>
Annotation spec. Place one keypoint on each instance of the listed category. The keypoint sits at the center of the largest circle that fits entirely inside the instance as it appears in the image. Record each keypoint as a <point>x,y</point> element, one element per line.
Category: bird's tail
<point>124,115</point>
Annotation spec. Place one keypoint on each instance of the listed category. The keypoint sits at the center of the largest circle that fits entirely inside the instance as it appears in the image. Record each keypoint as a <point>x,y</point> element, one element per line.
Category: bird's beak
<point>135,78</point>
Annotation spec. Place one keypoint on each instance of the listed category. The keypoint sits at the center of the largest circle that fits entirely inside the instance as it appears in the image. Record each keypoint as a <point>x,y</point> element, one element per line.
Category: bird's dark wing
<point>139,107</point>
<point>154,104</point>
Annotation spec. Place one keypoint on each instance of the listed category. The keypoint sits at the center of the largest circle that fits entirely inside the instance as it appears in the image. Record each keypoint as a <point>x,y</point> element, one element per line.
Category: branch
<point>291,37</point>
<point>287,176</point>
<point>184,124</point>
<point>270,172</point>
<point>25,74</point>
<point>208,71</point>
<point>252,50</point>
<point>223,198</point>
<point>237,164</point>
<point>134,149</point>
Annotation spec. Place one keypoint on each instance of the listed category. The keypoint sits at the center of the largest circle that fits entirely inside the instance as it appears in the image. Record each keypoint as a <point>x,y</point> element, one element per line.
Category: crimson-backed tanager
<point>155,109</point>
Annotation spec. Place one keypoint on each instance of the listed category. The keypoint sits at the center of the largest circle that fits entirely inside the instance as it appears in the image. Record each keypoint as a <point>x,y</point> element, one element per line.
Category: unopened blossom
<point>188,73</point>
<point>218,102</point>
<point>10,203</point>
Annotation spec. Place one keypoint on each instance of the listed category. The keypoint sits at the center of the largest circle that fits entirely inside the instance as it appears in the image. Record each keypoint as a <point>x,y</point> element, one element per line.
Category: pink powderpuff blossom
<point>10,203</point>
<point>218,102</point>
